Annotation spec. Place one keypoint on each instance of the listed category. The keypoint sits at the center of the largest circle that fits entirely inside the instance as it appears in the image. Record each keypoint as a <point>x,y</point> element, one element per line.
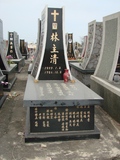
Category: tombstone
<point>57,110</point>
<point>103,81</point>
<point>77,50</point>
<point>84,46</point>
<point>38,38</point>
<point>23,48</point>
<point>86,67</point>
<point>14,51</point>
<point>7,70</point>
<point>70,49</point>
<point>30,68</point>
<point>2,96</point>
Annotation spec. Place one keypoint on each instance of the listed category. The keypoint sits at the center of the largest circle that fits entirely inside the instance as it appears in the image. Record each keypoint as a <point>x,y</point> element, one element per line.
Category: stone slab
<point>20,64</point>
<point>84,71</point>
<point>2,96</point>
<point>51,93</point>
<point>10,77</point>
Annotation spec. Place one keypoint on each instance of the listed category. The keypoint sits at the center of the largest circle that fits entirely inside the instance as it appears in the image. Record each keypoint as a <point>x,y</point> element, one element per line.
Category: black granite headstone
<point>23,48</point>
<point>11,46</point>
<point>57,110</point>
<point>14,51</point>
<point>52,59</point>
<point>7,70</point>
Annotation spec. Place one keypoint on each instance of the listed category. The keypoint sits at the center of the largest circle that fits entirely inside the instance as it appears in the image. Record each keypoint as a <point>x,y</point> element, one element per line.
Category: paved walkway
<point>12,126</point>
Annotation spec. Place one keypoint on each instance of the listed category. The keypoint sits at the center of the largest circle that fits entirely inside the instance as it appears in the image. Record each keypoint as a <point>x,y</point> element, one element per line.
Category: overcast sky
<point>22,15</point>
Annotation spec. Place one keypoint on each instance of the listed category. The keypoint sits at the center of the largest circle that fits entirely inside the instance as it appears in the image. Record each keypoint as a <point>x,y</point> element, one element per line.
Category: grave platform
<point>20,63</point>
<point>2,96</point>
<point>82,75</point>
<point>110,91</point>
<point>25,55</point>
<point>10,77</point>
<point>59,111</point>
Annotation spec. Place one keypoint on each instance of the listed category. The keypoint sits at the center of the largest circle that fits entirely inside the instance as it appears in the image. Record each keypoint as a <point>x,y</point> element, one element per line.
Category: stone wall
<point>90,60</point>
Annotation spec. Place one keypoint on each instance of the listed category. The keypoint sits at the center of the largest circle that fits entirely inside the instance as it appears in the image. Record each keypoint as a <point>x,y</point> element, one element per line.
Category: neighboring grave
<point>23,48</point>
<point>84,46</point>
<point>8,70</point>
<point>70,51</point>
<point>118,64</point>
<point>88,63</point>
<point>14,51</point>
<point>38,51</point>
<point>102,80</point>
<point>57,110</point>
<point>2,96</point>
<point>38,38</point>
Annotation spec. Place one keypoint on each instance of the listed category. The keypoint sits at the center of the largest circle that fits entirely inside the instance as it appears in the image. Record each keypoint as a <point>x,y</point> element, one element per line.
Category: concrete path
<point>12,126</point>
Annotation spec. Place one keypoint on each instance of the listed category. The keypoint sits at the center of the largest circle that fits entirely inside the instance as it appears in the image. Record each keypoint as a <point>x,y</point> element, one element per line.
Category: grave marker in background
<point>14,51</point>
<point>8,70</point>
<point>70,51</point>
<point>87,66</point>
<point>23,48</point>
<point>2,96</point>
<point>102,80</point>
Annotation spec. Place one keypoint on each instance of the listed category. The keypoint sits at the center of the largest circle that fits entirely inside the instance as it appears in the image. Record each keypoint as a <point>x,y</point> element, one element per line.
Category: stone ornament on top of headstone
<point>8,70</point>
<point>70,51</point>
<point>92,54</point>
<point>52,57</point>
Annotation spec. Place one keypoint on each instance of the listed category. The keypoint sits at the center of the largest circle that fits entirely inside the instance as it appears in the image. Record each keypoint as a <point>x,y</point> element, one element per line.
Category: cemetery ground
<point>12,127</point>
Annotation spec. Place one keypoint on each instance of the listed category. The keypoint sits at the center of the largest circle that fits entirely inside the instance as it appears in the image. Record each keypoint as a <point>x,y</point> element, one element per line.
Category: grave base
<point>110,91</point>
<point>59,111</point>
<point>60,135</point>
<point>10,78</point>
<point>20,63</point>
<point>2,99</point>
<point>80,74</point>
<point>26,56</point>
<point>2,96</point>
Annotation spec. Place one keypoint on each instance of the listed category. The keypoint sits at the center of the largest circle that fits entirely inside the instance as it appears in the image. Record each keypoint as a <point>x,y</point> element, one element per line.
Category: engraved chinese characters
<point>50,119</point>
<point>53,59</point>
<point>11,49</point>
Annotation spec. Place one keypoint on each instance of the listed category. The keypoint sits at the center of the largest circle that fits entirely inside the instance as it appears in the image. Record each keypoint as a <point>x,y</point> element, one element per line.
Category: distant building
<point>32,47</point>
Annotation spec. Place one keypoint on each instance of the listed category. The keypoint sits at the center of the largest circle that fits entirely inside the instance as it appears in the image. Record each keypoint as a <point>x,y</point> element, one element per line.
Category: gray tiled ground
<point>12,124</point>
